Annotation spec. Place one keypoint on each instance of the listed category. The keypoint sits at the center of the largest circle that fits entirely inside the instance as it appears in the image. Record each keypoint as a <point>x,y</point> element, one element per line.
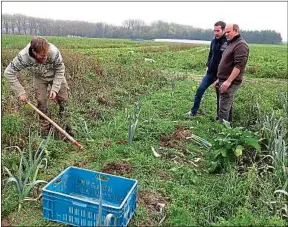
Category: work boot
<point>191,114</point>
<point>44,127</point>
<point>69,130</point>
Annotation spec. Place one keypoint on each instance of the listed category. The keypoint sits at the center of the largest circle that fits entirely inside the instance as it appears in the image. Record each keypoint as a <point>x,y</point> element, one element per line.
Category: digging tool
<point>56,126</point>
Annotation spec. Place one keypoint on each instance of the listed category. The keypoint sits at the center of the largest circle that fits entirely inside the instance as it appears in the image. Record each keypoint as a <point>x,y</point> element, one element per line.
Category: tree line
<point>133,29</point>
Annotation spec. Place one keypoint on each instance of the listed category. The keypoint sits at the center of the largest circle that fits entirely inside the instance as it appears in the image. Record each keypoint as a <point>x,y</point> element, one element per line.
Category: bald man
<point>231,70</point>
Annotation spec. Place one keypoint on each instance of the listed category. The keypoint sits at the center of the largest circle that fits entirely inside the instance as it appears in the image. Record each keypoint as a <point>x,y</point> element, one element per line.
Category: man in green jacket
<point>44,60</point>
<point>231,69</point>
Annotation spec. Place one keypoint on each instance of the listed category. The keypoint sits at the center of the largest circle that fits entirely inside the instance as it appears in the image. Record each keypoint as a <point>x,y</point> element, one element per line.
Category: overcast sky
<point>249,15</point>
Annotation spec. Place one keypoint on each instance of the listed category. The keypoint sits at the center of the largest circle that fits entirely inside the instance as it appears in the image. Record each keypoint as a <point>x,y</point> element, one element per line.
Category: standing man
<point>231,70</point>
<point>44,60</point>
<point>218,45</point>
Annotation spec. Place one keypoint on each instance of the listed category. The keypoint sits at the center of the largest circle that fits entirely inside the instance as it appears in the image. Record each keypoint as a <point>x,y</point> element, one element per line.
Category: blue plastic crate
<point>73,198</point>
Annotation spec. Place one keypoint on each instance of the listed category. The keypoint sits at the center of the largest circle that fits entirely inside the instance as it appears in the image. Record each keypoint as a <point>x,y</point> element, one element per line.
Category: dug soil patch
<point>8,221</point>
<point>117,168</point>
<point>151,200</point>
<point>173,140</point>
<point>122,142</point>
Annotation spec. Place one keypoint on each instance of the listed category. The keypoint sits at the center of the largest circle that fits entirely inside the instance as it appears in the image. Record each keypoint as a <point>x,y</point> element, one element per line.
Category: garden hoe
<point>56,126</point>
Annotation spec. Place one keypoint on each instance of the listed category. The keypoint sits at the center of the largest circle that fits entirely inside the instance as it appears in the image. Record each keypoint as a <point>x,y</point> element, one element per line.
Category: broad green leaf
<point>224,153</point>
<point>217,153</point>
<point>253,143</point>
<point>213,167</point>
<point>238,150</point>
<point>227,124</point>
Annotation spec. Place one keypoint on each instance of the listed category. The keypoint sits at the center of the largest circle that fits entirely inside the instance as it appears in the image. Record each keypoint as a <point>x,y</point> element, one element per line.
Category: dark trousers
<point>207,80</point>
<point>226,102</point>
<point>61,98</point>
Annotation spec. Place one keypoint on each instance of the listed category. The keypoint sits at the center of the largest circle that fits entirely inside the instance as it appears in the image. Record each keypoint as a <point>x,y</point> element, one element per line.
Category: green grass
<point>192,196</point>
<point>196,198</point>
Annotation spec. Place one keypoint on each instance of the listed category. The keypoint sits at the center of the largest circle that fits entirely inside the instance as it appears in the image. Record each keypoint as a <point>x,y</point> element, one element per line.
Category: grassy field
<point>109,81</point>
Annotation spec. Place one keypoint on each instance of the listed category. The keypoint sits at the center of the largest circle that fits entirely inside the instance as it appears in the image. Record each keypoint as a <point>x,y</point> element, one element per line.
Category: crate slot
<point>57,182</point>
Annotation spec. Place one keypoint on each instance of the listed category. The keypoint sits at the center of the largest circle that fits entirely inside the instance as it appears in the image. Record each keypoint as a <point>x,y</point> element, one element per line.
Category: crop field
<point>128,105</point>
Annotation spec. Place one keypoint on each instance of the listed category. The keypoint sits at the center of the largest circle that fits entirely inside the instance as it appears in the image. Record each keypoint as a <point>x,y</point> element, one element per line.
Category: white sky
<point>248,15</point>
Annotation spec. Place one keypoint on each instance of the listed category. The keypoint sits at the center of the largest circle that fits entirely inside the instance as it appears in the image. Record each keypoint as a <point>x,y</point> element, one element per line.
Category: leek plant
<point>26,179</point>
<point>133,125</point>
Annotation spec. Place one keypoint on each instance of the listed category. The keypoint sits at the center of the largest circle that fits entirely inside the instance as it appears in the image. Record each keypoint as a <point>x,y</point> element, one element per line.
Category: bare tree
<point>133,27</point>
<point>5,22</point>
<point>18,22</point>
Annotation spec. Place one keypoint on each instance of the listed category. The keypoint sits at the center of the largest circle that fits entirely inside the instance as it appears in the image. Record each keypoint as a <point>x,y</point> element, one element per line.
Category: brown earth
<point>118,168</point>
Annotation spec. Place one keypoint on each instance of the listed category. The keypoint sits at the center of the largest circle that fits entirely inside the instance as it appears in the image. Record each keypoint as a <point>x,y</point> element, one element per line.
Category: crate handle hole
<point>102,178</point>
<point>58,181</point>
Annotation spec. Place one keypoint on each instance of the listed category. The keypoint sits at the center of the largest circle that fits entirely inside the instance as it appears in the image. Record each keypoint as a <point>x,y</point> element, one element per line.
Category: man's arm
<point>235,72</point>
<point>11,72</point>
<point>59,72</point>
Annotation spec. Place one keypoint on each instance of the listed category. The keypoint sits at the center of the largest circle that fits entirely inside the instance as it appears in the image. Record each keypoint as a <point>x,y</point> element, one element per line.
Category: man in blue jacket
<point>217,47</point>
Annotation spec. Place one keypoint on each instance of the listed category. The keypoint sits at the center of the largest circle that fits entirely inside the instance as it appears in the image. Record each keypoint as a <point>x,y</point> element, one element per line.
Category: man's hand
<point>23,98</point>
<point>52,95</point>
<point>224,87</point>
<point>216,83</point>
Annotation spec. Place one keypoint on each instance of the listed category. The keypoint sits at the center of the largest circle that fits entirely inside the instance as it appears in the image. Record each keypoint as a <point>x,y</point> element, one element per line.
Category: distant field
<point>268,61</point>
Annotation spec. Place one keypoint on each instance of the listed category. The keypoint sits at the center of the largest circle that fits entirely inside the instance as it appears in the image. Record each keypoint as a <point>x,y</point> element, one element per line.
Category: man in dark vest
<point>217,47</point>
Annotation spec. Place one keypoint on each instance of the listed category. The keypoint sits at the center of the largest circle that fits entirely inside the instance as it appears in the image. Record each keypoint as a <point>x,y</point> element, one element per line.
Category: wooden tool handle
<point>56,126</point>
